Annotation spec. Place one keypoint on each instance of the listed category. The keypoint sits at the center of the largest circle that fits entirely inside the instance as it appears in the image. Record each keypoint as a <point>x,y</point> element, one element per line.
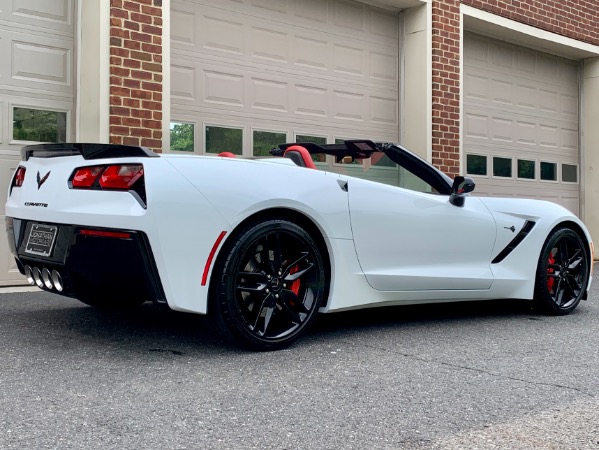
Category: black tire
<point>268,285</point>
<point>562,273</point>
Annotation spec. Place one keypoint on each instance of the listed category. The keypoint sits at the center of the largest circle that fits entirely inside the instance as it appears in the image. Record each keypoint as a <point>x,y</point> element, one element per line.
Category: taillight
<point>85,177</point>
<point>118,177</point>
<point>19,176</point>
<point>121,177</point>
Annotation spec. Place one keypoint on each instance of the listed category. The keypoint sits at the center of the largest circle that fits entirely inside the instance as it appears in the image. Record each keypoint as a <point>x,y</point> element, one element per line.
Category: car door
<point>413,239</point>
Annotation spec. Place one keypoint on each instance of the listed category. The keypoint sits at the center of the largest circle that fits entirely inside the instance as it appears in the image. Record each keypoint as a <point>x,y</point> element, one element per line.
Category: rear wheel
<point>271,282</point>
<point>562,273</point>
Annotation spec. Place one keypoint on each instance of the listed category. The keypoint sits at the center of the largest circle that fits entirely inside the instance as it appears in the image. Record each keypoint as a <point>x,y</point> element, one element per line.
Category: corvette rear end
<point>83,222</point>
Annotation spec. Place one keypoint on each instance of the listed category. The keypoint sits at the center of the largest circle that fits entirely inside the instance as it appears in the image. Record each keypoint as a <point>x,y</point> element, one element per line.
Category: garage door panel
<point>36,63</point>
<point>56,16</point>
<point>36,78</point>
<point>202,86</point>
<point>285,44</point>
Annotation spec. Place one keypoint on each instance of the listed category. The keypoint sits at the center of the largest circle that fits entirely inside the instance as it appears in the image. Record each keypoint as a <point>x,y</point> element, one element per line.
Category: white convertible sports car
<point>262,245</point>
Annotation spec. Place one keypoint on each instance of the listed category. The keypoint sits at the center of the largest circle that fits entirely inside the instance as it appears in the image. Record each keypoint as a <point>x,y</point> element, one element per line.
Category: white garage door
<point>251,73</point>
<point>521,122</point>
<point>36,88</point>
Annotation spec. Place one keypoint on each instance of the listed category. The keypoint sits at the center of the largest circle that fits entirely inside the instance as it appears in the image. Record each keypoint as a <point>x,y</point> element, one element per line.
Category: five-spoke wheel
<point>271,283</point>
<point>562,274</point>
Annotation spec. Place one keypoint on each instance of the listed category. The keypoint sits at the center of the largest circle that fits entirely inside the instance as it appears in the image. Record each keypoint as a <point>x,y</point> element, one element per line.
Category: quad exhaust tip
<point>57,280</point>
<point>37,277</point>
<point>41,278</point>
<point>46,278</point>
<point>29,275</point>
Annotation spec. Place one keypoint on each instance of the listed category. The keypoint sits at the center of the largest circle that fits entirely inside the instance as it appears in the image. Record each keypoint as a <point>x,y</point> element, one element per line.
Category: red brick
<point>133,45</point>
<point>130,140</point>
<point>141,37</point>
<point>152,67</point>
<point>141,75</point>
<point>141,18</point>
<point>120,13</point>
<point>150,29</point>
<point>132,6</point>
<point>142,56</point>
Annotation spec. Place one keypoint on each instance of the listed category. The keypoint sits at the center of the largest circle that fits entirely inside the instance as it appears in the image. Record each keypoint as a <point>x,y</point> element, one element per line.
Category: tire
<point>562,273</point>
<point>268,285</point>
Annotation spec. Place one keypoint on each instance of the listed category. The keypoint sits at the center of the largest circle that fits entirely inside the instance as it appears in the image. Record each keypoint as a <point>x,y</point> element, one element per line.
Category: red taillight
<point>19,176</point>
<point>101,233</point>
<point>86,176</point>
<point>121,177</point>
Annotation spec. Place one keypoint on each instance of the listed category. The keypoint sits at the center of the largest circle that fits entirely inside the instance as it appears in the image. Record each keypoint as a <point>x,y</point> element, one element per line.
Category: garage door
<point>36,88</point>
<point>249,74</point>
<point>521,122</point>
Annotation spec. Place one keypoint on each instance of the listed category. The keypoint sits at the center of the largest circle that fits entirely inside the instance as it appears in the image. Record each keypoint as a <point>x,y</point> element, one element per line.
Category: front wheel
<point>562,273</point>
<point>269,284</point>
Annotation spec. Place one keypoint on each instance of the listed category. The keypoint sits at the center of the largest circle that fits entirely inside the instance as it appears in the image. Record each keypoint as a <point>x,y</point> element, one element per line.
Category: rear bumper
<point>102,261</point>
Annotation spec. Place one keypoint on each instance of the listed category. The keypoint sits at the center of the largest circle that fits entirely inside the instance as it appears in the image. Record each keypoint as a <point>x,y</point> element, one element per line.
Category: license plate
<point>41,239</point>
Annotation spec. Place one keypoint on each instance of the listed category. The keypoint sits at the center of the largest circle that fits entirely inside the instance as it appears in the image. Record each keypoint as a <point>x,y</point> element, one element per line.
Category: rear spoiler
<point>88,151</point>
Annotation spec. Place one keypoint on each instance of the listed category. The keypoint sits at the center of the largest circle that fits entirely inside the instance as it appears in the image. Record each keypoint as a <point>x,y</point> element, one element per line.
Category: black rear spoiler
<point>88,151</point>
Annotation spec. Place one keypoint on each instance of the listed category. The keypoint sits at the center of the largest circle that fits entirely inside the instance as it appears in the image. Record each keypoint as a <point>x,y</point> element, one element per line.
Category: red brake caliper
<point>550,280</point>
<point>295,286</point>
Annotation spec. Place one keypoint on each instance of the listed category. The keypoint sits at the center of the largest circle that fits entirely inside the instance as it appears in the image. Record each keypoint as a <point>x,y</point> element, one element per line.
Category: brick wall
<point>446,86</point>
<point>136,73</point>
<point>576,19</point>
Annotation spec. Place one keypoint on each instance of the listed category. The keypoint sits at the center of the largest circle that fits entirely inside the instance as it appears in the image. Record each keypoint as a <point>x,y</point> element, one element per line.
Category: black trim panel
<point>107,265</point>
<point>528,225</point>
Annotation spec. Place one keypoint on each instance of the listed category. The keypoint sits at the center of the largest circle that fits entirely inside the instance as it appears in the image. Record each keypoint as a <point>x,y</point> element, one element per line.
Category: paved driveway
<point>478,375</point>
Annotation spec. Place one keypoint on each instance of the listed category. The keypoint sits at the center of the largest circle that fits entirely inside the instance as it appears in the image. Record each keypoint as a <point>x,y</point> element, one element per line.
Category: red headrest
<point>227,154</point>
<point>300,156</point>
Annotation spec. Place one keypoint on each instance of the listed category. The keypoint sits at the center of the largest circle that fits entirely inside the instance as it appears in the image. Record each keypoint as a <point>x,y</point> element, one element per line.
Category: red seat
<point>300,156</point>
<point>227,154</point>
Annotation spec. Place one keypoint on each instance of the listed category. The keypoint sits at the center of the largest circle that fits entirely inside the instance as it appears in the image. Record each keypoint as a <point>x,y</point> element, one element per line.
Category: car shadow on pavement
<point>162,330</point>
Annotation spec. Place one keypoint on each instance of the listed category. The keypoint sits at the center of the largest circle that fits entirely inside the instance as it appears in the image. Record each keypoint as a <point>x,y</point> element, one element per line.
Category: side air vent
<point>528,225</point>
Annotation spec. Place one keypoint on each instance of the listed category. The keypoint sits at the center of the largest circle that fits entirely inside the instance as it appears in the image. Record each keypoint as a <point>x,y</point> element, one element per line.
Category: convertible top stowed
<point>356,148</point>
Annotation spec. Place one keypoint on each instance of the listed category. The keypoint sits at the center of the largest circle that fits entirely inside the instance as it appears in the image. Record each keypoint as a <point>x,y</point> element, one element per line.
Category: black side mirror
<point>461,186</point>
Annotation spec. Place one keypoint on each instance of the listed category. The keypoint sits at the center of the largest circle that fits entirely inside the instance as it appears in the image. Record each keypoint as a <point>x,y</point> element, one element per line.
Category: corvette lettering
<point>41,205</point>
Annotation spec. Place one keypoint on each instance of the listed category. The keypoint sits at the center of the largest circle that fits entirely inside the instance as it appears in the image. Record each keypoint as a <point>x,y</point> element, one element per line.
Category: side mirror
<point>461,186</point>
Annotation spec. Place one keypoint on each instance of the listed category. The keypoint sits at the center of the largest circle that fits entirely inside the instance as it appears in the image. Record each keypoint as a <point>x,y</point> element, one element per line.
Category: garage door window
<point>548,171</point>
<point>38,125</point>
<point>569,173</point>
<point>526,169</point>
<point>502,167</point>
<point>476,165</point>
<point>264,141</point>
<point>182,136</point>
<point>224,139</point>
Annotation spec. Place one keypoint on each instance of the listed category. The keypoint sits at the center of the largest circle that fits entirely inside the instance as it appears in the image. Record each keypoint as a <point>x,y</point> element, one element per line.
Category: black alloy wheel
<point>562,273</point>
<point>271,282</point>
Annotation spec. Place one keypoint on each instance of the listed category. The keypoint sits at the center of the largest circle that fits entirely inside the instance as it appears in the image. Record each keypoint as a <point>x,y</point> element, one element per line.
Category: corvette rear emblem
<point>41,181</point>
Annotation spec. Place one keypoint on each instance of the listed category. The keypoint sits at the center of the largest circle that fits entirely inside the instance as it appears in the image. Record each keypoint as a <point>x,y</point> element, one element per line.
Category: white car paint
<point>386,245</point>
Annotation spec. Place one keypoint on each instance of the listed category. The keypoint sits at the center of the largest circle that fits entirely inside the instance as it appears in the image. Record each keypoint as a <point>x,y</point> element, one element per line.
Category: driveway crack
<point>475,369</point>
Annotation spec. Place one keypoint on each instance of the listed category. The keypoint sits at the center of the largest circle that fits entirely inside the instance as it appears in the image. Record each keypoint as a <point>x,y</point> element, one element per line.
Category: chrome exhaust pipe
<point>37,276</point>
<point>57,280</point>
<point>29,275</point>
<point>46,278</point>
